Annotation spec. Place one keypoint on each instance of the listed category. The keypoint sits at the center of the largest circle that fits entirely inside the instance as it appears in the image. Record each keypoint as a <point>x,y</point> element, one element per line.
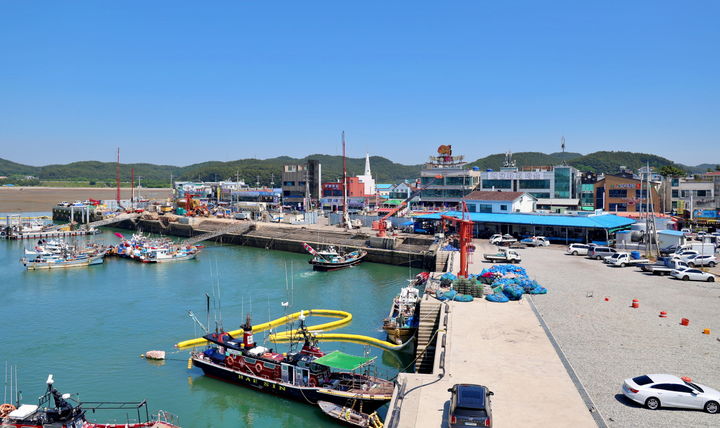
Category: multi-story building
<point>301,185</point>
<point>544,182</point>
<point>715,178</point>
<point>400,191</point>
<point>618,193</point>
<point>688,194</point>
<point>445,180</point>
<point>587,191</point>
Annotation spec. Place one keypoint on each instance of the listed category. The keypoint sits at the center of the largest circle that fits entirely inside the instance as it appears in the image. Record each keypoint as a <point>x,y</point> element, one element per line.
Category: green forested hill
<point>384,170</point>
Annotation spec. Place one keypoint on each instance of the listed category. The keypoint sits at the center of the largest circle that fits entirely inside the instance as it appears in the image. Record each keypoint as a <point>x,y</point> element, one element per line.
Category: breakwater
<point>417,252</point>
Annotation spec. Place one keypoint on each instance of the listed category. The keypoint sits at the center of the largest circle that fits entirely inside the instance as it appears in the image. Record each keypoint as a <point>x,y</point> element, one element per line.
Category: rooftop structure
<point>446,180</point>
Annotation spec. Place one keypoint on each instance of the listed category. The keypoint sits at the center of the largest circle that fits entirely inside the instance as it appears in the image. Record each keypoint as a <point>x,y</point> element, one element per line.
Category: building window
<point>701,193</point>
<point>534,184</point>
<point>675,182</point>
<point>540,195</point>
<point>498,184</point>
<point>472,208</point>
<point>617,193</point>
<point>618,207</point>
<point>562,182</point>
<point>288,183</point>
<point>674,205</point>
<point>454,181</point>
<point>641,193</point>
<point>675,193</point>
<point>484,208</point>
<point>503,207</point>
<point>600,198</point>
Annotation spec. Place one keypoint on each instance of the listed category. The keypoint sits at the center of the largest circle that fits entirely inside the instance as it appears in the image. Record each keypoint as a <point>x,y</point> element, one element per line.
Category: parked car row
<point>681,265</point>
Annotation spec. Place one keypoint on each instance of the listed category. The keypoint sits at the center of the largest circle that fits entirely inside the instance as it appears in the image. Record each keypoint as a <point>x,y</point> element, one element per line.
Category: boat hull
<point>62,265</point>
<point>400,335</point>
<point>324,266</point>
<point>309,395</point>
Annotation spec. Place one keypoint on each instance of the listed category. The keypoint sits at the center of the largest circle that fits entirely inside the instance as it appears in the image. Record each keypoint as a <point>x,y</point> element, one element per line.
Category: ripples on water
<point>88,326</point>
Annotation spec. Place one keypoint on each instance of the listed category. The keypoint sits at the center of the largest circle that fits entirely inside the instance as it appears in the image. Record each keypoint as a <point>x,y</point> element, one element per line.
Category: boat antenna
<point>217,280</point>
<point>207,310</point>
<point>5,391</point>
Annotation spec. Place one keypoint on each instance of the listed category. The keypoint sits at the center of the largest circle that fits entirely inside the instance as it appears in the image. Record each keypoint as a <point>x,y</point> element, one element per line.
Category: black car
<point>470,406</point>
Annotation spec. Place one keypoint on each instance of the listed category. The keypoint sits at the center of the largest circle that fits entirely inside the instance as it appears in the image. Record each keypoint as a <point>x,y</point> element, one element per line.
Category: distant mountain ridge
<point>267,170</point>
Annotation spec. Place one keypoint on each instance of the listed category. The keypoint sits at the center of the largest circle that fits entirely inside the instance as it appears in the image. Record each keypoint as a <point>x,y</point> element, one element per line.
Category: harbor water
<point>88,326</point>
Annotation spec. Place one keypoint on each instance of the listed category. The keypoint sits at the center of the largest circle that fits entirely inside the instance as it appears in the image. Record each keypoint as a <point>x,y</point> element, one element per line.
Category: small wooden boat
<point>332,259</point>
<point>350,416</point>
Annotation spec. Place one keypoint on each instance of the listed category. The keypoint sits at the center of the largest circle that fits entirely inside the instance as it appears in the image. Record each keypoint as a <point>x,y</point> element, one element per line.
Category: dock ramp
<point>236,228</point>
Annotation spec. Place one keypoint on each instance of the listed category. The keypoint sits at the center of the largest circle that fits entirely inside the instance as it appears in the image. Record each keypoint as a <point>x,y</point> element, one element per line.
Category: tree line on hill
<point>267,171</point>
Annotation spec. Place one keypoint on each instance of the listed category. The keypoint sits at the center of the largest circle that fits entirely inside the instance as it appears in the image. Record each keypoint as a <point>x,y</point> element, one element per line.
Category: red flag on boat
<point>309,249</point>
<point>119,235</point>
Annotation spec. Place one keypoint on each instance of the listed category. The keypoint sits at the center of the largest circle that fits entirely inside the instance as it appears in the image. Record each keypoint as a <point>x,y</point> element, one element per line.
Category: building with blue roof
<point>557,228</point>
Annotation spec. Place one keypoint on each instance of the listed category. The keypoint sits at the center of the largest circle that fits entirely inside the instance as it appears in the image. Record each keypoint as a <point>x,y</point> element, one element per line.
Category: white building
<point>500,202</point>
<point>367,178</point>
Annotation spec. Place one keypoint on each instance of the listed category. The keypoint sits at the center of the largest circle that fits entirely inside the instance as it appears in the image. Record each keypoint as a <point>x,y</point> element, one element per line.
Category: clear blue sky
<point>182,82</point>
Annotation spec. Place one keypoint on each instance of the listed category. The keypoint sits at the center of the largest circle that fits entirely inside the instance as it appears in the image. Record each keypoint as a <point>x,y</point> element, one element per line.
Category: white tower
<point>366,178</point>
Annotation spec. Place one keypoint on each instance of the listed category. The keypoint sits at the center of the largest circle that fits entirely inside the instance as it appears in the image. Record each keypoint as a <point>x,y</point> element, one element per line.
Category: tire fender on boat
<point>312,382</point>
<point>259,367</point>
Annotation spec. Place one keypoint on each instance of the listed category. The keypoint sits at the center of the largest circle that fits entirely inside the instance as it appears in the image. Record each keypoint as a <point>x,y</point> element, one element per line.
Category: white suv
<point>578,249</point>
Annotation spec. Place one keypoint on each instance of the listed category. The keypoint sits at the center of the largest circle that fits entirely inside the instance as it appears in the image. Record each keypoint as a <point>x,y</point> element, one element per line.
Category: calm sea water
<point>88,326</point>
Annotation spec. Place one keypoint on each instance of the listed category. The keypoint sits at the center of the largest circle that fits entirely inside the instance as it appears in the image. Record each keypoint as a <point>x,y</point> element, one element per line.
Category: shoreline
<point>41,199</point>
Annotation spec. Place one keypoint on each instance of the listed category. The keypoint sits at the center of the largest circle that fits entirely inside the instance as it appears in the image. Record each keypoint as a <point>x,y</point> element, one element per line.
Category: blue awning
<point>601,221</point>
<point>671,232</point>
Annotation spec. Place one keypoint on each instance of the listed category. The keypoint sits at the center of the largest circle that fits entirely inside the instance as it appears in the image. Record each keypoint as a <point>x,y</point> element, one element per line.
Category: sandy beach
<point>38,199</point>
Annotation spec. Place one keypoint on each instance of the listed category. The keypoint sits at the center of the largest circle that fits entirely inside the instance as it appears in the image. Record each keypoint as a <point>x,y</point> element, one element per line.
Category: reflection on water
<point>88,326</point>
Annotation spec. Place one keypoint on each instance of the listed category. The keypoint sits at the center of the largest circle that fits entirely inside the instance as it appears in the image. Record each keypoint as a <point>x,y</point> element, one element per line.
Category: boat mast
<point>346,220</point>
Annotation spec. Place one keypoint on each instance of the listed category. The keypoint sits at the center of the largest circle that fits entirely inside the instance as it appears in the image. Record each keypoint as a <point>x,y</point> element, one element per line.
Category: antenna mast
<point>117,177</point>
<point>346,220</point>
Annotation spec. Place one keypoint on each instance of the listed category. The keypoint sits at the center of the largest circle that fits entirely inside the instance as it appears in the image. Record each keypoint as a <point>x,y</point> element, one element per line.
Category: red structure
<point>464,228</point>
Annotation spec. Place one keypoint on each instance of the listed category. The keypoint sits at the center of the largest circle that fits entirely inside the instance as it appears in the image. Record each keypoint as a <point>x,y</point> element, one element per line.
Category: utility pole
<point>117,177</point>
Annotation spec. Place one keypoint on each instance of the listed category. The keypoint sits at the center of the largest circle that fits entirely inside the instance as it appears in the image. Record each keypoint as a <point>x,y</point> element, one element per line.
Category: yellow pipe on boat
<point>345,318</point>
<point>286,336</point>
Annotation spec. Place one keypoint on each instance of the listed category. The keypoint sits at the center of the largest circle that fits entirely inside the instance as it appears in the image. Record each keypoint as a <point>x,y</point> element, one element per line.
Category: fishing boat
<point>169,254</point>
<point>350,416</point>
<point>401,323</point>
<point>332,259</point>
<point>54,410</point>
<point>64,258</point>
<point>308,375</point>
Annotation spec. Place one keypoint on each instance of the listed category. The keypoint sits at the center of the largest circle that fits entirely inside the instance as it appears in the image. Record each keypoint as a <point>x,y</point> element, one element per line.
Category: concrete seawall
<point>418,252</point>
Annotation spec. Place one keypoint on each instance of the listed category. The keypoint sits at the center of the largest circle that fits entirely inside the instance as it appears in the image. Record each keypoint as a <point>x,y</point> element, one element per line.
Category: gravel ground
<point>608,341</point>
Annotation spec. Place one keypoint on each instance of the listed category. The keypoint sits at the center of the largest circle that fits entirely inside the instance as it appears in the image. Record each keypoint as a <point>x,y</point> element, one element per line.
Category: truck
<point>503,256</point>
<point>663,266</point>
<point>703,248</point>
<point>625,259</point>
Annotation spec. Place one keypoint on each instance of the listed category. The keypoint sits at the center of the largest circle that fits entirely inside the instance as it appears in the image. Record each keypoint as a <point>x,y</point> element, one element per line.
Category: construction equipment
<point>464,229</point>
<point>382,225</point>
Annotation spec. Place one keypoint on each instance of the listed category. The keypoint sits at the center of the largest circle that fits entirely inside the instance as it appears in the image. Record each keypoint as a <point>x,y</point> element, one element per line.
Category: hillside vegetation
<point>267,170</point>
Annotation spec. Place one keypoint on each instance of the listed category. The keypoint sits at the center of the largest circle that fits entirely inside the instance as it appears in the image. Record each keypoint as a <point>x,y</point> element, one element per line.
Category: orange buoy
<point>635,303</point>
<point>663,314</point>
<point>706,331</point>
<point>684,321</point>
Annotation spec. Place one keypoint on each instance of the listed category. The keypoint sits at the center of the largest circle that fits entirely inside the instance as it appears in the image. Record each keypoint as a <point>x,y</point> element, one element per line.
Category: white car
<point>578,249</point>
<point>611,259</point>
<point>685,254</point>
<point>692,274</point>
<point>699,260</point>
<point>663,390</point>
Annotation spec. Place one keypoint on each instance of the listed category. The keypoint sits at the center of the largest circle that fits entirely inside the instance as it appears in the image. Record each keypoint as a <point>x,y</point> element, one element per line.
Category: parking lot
<point>607,341</point>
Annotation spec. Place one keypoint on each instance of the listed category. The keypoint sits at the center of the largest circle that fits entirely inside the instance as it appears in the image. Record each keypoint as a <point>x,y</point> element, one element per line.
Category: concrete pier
<point>502,346</point>
<point>410,250</point>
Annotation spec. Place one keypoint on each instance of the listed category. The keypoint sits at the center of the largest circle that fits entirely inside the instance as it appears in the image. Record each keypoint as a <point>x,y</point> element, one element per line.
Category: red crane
<point>465,232</point>
<point>381,225</point>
